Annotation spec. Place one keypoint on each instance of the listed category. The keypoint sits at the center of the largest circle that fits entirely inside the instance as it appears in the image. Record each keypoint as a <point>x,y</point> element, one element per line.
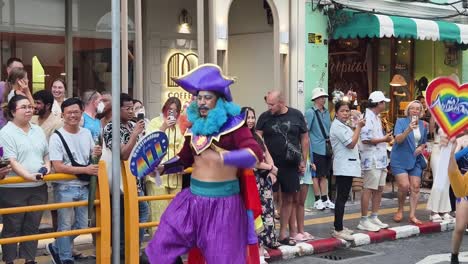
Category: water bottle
<point>98,142</point>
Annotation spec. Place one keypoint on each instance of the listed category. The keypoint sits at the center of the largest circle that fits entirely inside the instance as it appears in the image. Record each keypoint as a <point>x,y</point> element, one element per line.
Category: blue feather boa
<point>215,119</point>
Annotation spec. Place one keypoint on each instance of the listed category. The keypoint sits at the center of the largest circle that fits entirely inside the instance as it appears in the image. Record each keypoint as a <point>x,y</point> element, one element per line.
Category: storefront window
<point>38,75</point>
<point>92,46</point>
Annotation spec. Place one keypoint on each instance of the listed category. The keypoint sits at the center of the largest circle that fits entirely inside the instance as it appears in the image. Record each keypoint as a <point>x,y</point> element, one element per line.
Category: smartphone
<point>140,116</point>
<point>414,119</point>
<point>4,163</point>
<point>171,115</point>
<point>42,171</point>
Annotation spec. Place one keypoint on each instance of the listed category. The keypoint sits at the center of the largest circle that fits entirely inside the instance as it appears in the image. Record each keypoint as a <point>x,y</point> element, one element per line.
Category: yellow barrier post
<point>103,216</point>
<point>131,212</point>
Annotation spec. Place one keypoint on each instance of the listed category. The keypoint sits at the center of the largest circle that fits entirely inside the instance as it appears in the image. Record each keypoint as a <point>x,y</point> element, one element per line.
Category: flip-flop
<point>299,237</point>
<point>287,242</point>
<point>413,220</point>
<point>398,217</point>
<point>308,236</point>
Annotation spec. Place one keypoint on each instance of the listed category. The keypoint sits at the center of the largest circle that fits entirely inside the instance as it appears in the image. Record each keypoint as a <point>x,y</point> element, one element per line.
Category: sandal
<point>413,220</point>
<point>287,242</point>
<point>308,236</point>
<point>398,217</point>
<point>299,237</point>
<point>266,255</point>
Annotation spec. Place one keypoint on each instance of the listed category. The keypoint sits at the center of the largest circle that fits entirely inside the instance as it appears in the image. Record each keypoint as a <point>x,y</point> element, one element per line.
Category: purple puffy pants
<point>217,225</point>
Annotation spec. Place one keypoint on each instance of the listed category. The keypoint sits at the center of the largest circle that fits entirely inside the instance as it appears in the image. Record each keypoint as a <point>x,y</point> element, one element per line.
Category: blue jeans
<point>69,218</point>
<point>143,215</point>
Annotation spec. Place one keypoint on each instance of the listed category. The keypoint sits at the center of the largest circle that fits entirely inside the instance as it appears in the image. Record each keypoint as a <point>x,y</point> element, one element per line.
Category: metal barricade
<point>102,203</point>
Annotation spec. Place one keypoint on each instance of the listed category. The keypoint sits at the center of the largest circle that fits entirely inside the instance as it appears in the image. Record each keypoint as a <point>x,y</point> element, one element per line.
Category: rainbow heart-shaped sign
<point>148,153</point>
<point>448,103</point>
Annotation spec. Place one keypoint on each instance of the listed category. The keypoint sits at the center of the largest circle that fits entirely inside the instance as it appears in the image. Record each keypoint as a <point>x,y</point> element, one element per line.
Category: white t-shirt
<point>345,161</point>
<point>81,145</point>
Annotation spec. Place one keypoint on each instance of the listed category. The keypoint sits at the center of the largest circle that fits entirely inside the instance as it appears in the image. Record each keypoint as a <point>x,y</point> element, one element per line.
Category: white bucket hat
<point>318,92</point>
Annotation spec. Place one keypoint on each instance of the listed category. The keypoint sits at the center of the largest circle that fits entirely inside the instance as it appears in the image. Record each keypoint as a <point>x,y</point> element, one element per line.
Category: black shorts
<point>288,179</point>
<point>323,165</point>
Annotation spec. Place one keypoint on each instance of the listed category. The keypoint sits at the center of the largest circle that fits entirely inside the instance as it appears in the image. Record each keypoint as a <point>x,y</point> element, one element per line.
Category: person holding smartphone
<point>167,122</point>
<point>25,146</point>
<point>406,159</point>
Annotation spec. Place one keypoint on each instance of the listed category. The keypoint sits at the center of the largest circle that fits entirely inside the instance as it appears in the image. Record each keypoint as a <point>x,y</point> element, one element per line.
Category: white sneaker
<point>448,217</point>
<point>376,221</point>
<point>329,204</point>
<point>319,205</point>
<point>342,235</point>
<point>435,218</point>
<point>366,225</point>
<point>347,230</point>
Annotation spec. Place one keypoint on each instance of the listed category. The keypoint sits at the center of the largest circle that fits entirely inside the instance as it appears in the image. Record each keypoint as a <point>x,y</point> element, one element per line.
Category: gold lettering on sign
<point>346,65</point>
<point>179,64</point>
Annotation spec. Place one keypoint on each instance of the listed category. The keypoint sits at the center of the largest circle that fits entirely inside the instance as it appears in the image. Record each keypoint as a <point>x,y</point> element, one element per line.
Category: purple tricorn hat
<point>206,77</point>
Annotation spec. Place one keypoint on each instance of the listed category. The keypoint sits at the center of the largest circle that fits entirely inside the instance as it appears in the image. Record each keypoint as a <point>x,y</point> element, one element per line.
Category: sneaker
<point>329,204</point>
<point>448,217</point>
<point>376,221</point>
<point>342,235</point>
<point>347,230</point>
<point>319,205</point>
<point>435,218</point>
<point>366,225</point>
<point>53,254</point>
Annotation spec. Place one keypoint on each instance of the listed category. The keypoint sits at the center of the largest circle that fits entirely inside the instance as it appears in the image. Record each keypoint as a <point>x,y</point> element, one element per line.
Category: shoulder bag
<point>81,177</point>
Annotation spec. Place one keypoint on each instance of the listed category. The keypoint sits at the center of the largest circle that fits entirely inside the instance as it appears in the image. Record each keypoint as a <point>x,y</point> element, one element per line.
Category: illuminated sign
<point>178,64</point>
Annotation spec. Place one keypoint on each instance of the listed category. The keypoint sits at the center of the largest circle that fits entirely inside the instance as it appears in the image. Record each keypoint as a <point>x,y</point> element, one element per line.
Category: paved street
<point>319,224</point>
<point>408,251</point>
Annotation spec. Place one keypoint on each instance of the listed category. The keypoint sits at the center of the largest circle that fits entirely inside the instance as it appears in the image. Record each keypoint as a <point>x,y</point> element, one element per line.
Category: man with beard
<point>211,214</point>
<point>42,113</point>
<point>106,115</point>
<point>49,122</point>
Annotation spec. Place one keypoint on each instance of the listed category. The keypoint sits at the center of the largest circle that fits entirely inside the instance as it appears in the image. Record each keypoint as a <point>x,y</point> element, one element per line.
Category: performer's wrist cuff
<point>242,158</point>
<point>173,165</point>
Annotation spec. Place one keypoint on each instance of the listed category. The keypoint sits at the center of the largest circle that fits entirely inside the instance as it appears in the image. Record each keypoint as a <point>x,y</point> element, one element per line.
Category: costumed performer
<point>211,214</point>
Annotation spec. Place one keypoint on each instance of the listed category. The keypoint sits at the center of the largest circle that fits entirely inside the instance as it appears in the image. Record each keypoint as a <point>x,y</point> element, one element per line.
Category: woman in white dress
<point>439,199</point>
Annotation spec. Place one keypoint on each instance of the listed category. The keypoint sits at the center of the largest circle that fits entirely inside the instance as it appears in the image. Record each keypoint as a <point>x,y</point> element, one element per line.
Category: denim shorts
<point>415,171</point>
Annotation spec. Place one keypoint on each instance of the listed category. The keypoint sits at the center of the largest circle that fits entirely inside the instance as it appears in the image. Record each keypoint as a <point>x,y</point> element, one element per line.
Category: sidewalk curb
<point>360,239</point>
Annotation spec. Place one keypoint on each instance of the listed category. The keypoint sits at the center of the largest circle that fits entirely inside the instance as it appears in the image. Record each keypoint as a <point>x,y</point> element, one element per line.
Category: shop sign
<point>178,64</point>
<point>315,38</point>
<point>348,68</point>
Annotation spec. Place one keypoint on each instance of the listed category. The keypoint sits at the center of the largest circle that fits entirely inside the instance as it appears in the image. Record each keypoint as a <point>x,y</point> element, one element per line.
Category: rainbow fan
<point>448,103</point>
<point>148,153</point>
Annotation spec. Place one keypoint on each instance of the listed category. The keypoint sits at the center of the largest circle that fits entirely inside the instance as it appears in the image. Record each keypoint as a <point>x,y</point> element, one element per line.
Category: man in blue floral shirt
<point>374,161</point>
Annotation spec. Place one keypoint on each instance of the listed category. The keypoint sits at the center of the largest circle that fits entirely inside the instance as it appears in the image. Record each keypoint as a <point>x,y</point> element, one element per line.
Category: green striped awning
<point>361,25</point>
